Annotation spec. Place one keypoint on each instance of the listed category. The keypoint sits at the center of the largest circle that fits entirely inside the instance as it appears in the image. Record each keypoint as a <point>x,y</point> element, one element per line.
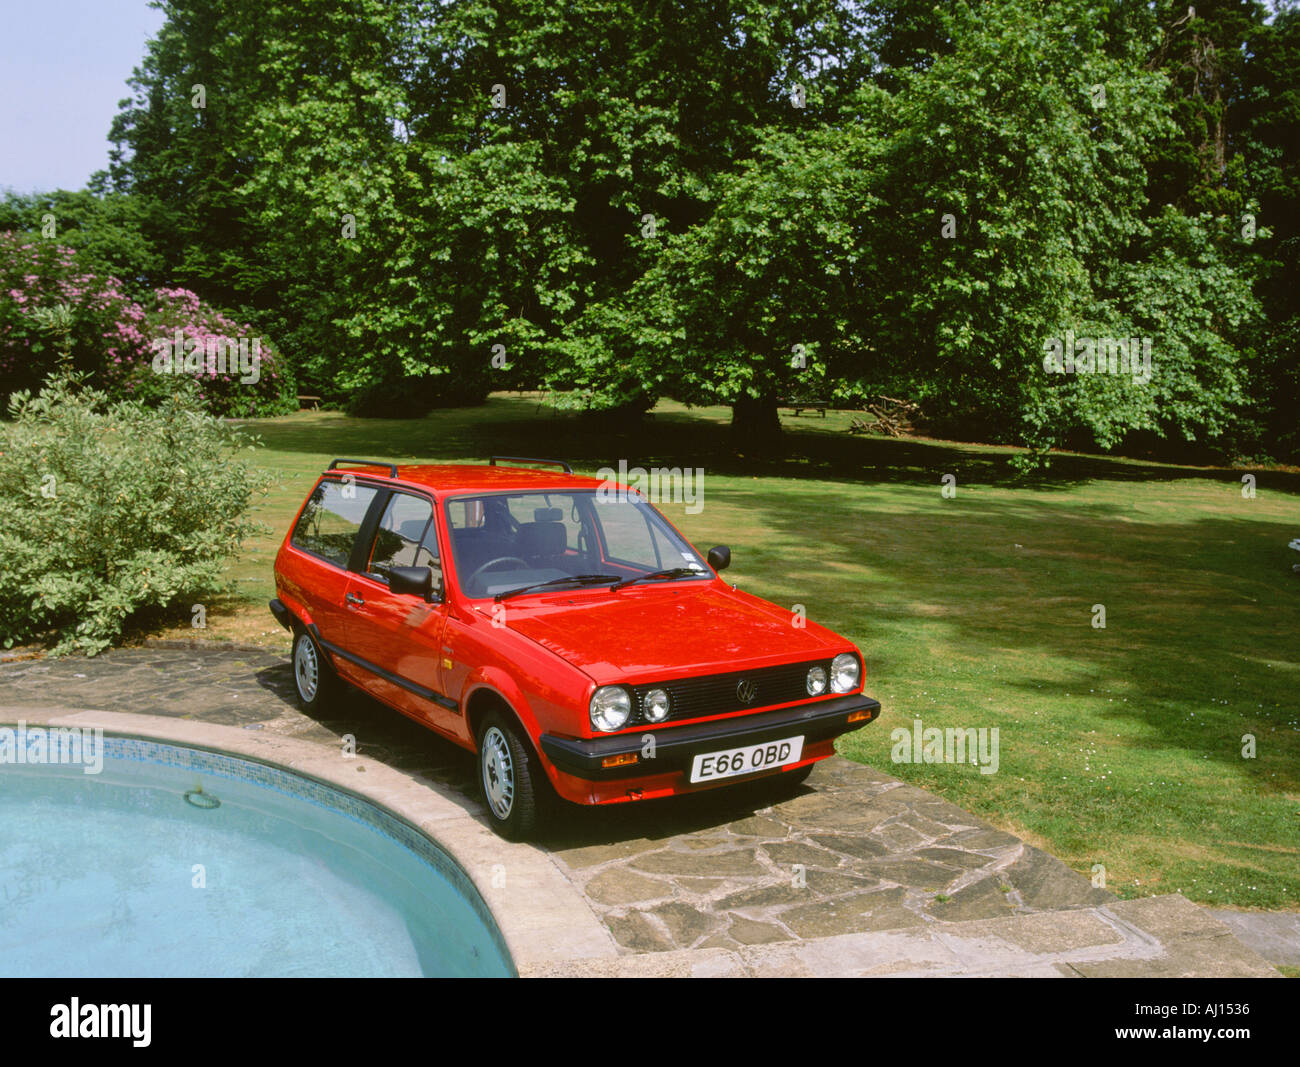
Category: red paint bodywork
<point>555,648</point>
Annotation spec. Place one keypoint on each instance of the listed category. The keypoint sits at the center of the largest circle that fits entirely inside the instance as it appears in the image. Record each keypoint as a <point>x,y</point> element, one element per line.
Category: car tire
<point>314,680</point>
<point>512,783</point>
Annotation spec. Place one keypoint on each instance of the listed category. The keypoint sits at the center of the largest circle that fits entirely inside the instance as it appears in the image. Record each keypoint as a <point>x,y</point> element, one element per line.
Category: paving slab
<point>1275,935</point>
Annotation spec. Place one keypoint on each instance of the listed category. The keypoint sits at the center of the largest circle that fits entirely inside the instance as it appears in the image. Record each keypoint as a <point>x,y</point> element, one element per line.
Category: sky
<point>63,69</point>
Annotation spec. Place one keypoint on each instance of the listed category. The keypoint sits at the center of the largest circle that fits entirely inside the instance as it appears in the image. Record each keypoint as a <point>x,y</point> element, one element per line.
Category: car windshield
<point>504,542</point>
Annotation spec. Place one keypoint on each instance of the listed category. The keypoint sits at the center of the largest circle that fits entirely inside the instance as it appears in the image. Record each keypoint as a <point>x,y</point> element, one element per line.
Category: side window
<point>404,538</point>
<point>331,519</point>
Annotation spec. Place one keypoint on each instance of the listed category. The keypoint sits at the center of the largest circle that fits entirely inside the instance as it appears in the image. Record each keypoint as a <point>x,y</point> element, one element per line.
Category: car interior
<point>503,553</point>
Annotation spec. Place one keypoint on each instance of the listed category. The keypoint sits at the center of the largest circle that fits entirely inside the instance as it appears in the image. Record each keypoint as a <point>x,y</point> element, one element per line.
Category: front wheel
<point>511,782</point>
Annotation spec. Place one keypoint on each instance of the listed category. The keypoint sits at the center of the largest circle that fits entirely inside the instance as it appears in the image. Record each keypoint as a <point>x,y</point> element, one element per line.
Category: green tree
<point>765,297</point>
<point>1268,118</point>
<point>112,233</point>
<point>482,215</point>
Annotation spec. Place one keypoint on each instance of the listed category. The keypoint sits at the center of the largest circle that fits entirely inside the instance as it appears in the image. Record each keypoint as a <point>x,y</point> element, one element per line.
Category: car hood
<point>643,633</point>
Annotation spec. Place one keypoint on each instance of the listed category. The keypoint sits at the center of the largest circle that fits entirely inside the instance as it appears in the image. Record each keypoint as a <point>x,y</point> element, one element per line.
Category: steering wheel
<point>492,563</point>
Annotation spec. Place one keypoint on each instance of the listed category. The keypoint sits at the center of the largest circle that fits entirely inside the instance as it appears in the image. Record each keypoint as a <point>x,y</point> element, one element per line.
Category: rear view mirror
<point>719,557</point>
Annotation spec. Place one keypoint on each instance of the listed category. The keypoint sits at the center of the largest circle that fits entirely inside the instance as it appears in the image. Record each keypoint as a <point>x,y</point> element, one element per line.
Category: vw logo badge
<point>746,691</point>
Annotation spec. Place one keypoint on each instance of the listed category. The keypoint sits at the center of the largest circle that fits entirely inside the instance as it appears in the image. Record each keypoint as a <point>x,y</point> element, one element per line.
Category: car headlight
<point>816,681</point>
<point>610,707</point>
<point>655,707</point>
<point>845,673</point>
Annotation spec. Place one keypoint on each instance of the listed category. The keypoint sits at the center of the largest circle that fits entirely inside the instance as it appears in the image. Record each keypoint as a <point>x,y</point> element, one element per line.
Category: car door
<point>325,539</point>
<point>395,638</point>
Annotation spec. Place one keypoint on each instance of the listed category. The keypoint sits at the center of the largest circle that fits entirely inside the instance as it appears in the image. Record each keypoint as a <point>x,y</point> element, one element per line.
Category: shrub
<point>54,312</point>
<point>41,281</point>
<point>110,507</point>
<point>254,383</point>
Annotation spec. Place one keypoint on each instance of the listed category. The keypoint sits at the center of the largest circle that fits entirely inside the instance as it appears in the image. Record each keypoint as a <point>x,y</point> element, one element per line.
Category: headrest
<point>541,539</point>
<point>412,529</point>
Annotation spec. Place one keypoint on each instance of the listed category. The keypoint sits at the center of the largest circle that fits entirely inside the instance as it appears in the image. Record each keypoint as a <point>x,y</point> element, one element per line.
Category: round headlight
<point>655,707</point>
<point>844,673</point>
<point>816,681</point>
<point>610,707</point>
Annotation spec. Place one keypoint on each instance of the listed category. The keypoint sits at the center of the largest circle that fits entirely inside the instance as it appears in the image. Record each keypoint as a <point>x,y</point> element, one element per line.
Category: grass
<point>1119,747</point>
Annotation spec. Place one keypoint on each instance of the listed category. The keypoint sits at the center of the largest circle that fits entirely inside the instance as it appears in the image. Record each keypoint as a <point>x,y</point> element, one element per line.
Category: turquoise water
<point>117,875</point>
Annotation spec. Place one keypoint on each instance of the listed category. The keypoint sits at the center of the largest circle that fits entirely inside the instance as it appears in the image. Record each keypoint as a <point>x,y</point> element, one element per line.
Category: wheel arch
<point>484,700</point>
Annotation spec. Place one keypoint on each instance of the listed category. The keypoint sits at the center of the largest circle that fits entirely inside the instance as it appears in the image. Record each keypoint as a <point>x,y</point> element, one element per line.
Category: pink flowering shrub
<point>132,350</point>
<point>239,371</point>
<point>104,322</point>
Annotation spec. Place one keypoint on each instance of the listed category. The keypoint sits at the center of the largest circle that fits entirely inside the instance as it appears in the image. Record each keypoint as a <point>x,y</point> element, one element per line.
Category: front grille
<point>715,694</point>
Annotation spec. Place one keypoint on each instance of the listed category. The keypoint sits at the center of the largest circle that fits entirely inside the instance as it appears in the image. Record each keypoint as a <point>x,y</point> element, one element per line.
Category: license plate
<point>748,760</point>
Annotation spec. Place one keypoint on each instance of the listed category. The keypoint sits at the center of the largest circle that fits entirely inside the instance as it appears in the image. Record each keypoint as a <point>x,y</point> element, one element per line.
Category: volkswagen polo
<point>559,627</point>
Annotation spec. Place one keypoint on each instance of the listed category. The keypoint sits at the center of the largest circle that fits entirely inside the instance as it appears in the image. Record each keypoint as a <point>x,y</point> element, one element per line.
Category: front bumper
<point>677,746</point>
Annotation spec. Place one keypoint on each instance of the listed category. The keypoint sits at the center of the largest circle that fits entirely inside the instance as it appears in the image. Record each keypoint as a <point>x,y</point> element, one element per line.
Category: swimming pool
<point>183,862</point>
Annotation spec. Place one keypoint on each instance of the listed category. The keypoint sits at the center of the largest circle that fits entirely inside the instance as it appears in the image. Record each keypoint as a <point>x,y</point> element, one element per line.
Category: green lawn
<point>1119,746</point>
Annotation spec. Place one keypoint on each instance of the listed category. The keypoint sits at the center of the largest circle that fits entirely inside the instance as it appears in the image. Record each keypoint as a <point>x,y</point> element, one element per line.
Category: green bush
<point>109,507</point>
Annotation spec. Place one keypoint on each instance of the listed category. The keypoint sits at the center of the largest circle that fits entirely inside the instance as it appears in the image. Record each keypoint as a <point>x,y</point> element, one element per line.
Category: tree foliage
<point>427,199</point>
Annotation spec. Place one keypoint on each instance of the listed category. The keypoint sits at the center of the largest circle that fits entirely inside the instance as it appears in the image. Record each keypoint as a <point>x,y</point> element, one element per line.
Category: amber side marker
<point>619,761</point>
<point>858,716</point>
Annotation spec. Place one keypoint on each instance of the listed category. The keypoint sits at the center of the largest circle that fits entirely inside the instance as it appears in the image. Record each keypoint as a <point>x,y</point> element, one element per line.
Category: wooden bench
<point>310,403</point>
<point>797,406</point>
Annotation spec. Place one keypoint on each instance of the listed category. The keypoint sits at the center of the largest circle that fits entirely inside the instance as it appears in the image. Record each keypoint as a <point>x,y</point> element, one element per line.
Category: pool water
<point>117,875</point>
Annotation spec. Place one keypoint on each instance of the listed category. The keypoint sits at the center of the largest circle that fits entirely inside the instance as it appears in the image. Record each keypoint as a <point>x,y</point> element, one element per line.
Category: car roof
<point>446,478</point>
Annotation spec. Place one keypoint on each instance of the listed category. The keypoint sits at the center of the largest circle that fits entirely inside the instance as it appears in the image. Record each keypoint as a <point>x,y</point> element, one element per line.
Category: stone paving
<point>853,851</point>
<point>1156,937</point>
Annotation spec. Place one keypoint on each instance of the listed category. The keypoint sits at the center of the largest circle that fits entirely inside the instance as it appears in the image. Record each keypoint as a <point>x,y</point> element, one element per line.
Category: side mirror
<point>719,557</point>
<point>415,580</point>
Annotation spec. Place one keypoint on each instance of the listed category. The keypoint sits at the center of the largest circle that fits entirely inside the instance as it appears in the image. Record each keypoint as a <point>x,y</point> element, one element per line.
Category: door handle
<point>354,598</point>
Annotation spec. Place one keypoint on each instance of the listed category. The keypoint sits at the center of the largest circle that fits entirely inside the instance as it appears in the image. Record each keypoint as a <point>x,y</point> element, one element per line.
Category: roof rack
<point>524,459</point>
<point>392,467</point>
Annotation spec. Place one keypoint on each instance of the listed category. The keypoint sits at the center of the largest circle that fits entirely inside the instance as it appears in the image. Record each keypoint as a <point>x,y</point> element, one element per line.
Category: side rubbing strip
<point>431,695</point>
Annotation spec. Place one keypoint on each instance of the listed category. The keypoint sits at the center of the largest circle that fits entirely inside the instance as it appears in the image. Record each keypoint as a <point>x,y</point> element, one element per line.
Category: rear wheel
<point>511,781</point>
<point>313,678</point>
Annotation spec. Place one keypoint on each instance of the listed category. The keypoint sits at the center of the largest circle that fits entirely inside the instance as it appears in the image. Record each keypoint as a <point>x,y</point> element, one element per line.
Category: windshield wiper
<point>671,572</point>
<point>582,579</point>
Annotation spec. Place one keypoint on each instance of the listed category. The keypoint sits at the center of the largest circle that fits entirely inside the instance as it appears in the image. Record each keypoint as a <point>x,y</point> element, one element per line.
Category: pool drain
<point>198,799</point>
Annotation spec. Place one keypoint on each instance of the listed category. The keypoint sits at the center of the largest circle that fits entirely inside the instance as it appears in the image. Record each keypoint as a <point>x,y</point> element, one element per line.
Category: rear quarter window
<point>331,520</point>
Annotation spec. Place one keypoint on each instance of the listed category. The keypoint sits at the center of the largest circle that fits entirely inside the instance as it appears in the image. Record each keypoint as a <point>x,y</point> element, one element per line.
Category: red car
<point>558,626</point>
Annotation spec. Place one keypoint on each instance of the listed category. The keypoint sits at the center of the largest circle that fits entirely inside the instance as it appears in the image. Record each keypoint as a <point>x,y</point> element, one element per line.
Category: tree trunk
<point>755,425</point>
